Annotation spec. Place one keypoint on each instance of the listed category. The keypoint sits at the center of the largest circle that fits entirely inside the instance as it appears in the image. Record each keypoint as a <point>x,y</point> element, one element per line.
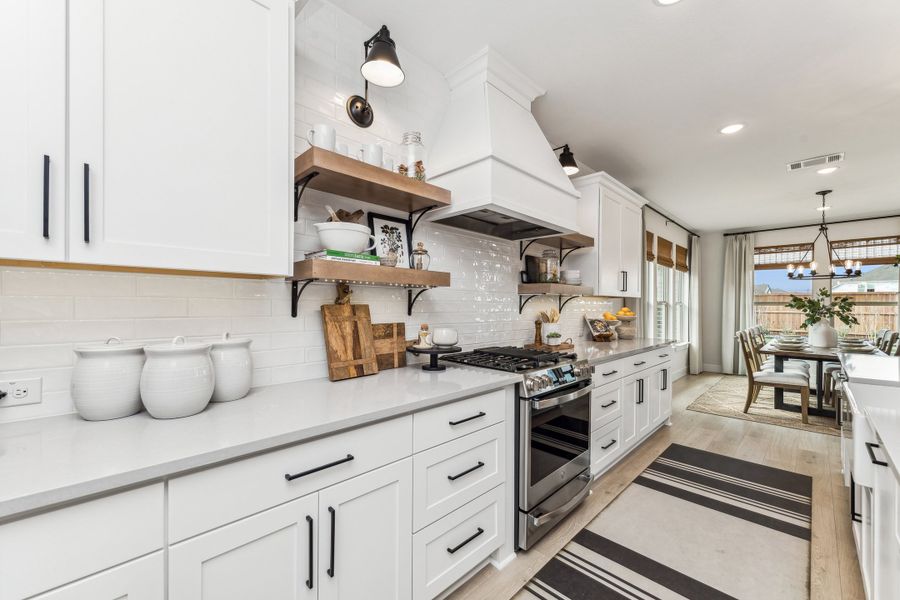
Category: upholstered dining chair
<point>887,342</point>
<point>879,336</point>
<point>792,381</point>
<point>758,340</point>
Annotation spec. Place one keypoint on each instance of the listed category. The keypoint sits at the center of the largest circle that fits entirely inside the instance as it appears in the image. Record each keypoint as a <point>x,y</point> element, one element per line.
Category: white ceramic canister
<point>106,380</point>
<point>233,365</point>
<point>177,380</point>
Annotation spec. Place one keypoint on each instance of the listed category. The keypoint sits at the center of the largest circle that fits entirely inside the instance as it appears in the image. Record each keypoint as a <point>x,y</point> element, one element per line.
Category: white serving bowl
<point>177,380</point>
<point>106,380</point>
<point>346,237</point>
<point>444,336</point>
<point>233,366</point>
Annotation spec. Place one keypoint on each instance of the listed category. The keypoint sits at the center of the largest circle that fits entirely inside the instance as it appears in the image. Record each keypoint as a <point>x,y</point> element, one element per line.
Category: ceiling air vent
<point>816,161</point>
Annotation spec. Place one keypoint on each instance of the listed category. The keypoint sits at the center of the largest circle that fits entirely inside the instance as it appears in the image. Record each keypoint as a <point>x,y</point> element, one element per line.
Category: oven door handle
<point>538,521</point>
<point>562,399</point>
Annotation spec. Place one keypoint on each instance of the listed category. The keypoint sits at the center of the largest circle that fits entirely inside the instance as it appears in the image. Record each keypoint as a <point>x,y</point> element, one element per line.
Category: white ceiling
<point>641,91</point>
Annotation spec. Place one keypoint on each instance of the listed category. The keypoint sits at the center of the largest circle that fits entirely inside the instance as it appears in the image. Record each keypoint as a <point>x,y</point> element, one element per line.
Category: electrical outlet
<point>20,392</point>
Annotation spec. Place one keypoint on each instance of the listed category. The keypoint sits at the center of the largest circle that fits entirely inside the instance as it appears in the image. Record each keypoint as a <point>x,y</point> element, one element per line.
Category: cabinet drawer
<point>56,547</point>
<point>140,579</point>
<point>448,476</point>
<point>606,444</point>
<point>609,371</point>
<point>659,356</point>
<point>606,404</point>
<point>473,532</point>
<point>450,421</point>
<point>201,501</point>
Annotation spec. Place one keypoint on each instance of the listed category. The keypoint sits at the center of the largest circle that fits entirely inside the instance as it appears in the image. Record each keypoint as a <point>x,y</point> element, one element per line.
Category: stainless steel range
<point>553,447</point>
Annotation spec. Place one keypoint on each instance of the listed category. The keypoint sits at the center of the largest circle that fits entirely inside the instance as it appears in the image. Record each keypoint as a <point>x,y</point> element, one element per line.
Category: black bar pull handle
<point>854,516</point>
<point>613,372</point>
<point>875,461</point>
<point>640,383</point>
<point>341,461</point>
<point>607,405</point>
<point>87,203</point>
<point>663,355</point>
<point>46,218</point>
<point>665,380</point>
<point>331,558</point>
<point>467,419</point>
<point>465,541</point>
<point>624,280</point>
<point>466,472</point>
<point>608,446</point>
<point>643,362</point>
<point>309,582</point>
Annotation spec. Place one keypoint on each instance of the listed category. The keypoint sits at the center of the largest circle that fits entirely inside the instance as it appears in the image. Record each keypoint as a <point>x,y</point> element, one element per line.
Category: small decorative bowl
<point>388,261</point>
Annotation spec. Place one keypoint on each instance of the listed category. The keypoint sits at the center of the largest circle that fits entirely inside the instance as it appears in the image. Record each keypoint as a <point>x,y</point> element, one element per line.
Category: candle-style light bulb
<point>813,267</point>
<point>848,264</point>
<point>790,270</point>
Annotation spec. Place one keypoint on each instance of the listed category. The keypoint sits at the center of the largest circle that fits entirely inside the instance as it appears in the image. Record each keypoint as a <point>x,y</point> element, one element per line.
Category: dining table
<point>816,354</point>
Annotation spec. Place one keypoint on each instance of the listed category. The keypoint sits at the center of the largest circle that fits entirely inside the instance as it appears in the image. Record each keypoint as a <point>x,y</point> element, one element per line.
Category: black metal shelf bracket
<point>421,213</point>
<point>296,292</point>
<point>523,300</point>
<point>562,304</point>
<point>411,299</point>
<point>523,247</point>
<point>299,188</point>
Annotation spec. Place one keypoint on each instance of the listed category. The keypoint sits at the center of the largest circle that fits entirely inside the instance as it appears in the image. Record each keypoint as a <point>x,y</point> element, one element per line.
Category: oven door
<point>554,442</point>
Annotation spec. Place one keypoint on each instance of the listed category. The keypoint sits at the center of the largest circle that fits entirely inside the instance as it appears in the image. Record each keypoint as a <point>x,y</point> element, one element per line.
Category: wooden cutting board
<point>349,345</point>
<point>390,345</point>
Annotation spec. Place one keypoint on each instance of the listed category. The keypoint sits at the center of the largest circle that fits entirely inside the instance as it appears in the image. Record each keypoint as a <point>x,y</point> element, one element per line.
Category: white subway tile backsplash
<point>234,307</point>
<point>185,287</point>
<point>124,308</point>
<point>18,358</point>
<point>55,332</point>
<point>51,282</point>
<point>169,328</point>
<point>26,308</point>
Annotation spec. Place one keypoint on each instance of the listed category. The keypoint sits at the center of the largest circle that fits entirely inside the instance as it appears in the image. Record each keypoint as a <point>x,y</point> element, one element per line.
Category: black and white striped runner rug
<point>694,525</point>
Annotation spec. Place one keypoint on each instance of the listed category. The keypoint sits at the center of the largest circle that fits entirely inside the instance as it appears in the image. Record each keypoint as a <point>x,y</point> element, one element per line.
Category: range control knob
<point>545,381</point>
<point>531,384</point>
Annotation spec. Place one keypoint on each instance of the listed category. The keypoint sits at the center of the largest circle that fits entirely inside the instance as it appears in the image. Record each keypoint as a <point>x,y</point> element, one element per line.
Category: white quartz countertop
<point>46,462</point>
<point>866,368</point>
<point>886,423</point>
<point>599,352</point>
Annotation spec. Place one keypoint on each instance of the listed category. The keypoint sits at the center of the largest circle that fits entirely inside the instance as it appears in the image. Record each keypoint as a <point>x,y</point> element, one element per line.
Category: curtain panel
<point>737,298</point>
<point>695,352</point>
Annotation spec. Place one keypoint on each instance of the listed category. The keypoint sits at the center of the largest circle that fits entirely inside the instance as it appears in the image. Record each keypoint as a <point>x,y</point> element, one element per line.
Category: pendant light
<point>567,160</point>
<point>851,269</point>
<point>381,67</point>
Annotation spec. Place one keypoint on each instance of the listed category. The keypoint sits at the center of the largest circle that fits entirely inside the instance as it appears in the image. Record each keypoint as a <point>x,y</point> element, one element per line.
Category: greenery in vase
<point>554,334</point>
<point>818,307</point>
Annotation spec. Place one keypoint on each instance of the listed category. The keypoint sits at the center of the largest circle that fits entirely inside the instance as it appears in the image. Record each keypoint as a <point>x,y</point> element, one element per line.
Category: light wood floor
<point>834,568</point>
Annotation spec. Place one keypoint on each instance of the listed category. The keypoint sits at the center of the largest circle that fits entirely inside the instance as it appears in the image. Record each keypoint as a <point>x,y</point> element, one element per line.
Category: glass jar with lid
<point>412,155</point>
<point>549,266</point>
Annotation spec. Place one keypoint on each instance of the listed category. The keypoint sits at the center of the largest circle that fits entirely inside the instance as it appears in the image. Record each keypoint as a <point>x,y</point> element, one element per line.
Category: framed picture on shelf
<point>597,326</point>
<point>391,234</point>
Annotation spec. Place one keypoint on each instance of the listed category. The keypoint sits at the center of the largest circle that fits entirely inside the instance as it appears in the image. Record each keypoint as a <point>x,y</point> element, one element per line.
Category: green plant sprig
<point>818,308</point>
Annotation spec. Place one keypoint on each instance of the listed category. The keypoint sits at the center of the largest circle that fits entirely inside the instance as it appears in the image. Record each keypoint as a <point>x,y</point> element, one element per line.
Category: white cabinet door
<point>266,555</point>
<point>665,393</point>
<point>180,149</point>
<point>642,404</point>
<point>141,579</point>
<point>631,232</point>
<point>610,280</point>
<point>653,393</point>
<point>630,388</point>
<point>365,541</point>
<point>32,129</point>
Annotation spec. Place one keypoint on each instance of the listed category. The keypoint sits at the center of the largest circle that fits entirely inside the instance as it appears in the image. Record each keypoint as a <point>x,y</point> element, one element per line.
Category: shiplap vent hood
<point>816,161</point>
<point>491,154</point>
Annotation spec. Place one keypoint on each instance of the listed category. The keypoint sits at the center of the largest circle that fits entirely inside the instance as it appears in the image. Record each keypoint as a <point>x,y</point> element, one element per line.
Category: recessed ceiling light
<point>827,170</point>
<point>729,129</point>
<point>666,2</point>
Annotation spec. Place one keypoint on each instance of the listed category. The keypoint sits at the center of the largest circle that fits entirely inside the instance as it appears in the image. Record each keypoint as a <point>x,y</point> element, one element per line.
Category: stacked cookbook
<point>341,256</point>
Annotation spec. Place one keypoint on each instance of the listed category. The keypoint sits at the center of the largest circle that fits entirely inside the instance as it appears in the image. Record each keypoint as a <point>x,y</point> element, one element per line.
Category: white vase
<point>823,335</point>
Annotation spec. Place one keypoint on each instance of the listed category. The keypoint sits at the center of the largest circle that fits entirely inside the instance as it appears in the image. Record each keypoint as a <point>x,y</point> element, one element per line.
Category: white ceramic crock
<point>106,380</point>
<point>177,380</point>
<point>233,366</point>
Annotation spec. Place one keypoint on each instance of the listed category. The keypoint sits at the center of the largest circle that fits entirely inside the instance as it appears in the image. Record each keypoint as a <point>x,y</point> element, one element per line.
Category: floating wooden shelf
<point>527,291</point>
<point>328,271</point>
<point>569,241</point>
<point>337,174</point>
<point>554,289</point>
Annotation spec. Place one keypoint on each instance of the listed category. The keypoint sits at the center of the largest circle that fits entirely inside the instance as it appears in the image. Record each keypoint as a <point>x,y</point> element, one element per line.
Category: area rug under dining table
<point>694,525</point>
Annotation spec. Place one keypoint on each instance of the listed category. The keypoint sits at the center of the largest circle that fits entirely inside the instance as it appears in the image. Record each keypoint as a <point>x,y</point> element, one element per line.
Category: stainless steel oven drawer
<point>534,524</point>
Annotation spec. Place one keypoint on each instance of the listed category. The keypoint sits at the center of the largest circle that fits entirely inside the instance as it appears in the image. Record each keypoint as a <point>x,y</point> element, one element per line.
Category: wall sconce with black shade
<point>567,160</point>
<point>382,68</point>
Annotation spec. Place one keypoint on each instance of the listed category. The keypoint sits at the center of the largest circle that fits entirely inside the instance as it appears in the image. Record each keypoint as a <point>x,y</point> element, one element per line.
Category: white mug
<point>372,154</point>
<point>322,136</point>
<point>388,164</point>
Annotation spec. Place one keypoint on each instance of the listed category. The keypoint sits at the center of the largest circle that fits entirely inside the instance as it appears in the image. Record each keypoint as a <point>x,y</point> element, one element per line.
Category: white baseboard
<point>712,367</point>
<point>678,373</point>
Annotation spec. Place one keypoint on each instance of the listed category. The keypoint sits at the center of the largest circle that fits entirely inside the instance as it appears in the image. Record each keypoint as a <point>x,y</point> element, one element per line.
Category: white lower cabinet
<point>269,555</point>
<point>364,536</point>
<point>606,445</point>
<point>141,579</point>
<point>448,549</point>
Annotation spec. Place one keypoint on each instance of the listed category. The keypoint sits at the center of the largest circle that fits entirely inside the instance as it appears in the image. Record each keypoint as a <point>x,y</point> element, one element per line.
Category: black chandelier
<point>838,269</point>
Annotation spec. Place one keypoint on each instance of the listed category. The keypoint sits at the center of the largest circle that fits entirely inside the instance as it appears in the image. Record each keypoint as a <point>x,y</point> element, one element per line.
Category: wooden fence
<point>772,313</point>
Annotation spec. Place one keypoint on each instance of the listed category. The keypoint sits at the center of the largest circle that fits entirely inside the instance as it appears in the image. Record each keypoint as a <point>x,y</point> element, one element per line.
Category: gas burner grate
<point>508,358</point>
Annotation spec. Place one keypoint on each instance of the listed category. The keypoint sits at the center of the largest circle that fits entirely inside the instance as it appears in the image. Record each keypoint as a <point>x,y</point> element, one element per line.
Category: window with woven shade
<point>869,251</point>
<point>664,252</point>
<point>681,258</point>
<point>779,257</point>
<point>649,244</point>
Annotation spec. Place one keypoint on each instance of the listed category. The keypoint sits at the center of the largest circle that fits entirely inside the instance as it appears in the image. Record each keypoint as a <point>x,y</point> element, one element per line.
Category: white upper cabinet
<point>180,149</point>
<point>32,129</point>
<point>611,213</point>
